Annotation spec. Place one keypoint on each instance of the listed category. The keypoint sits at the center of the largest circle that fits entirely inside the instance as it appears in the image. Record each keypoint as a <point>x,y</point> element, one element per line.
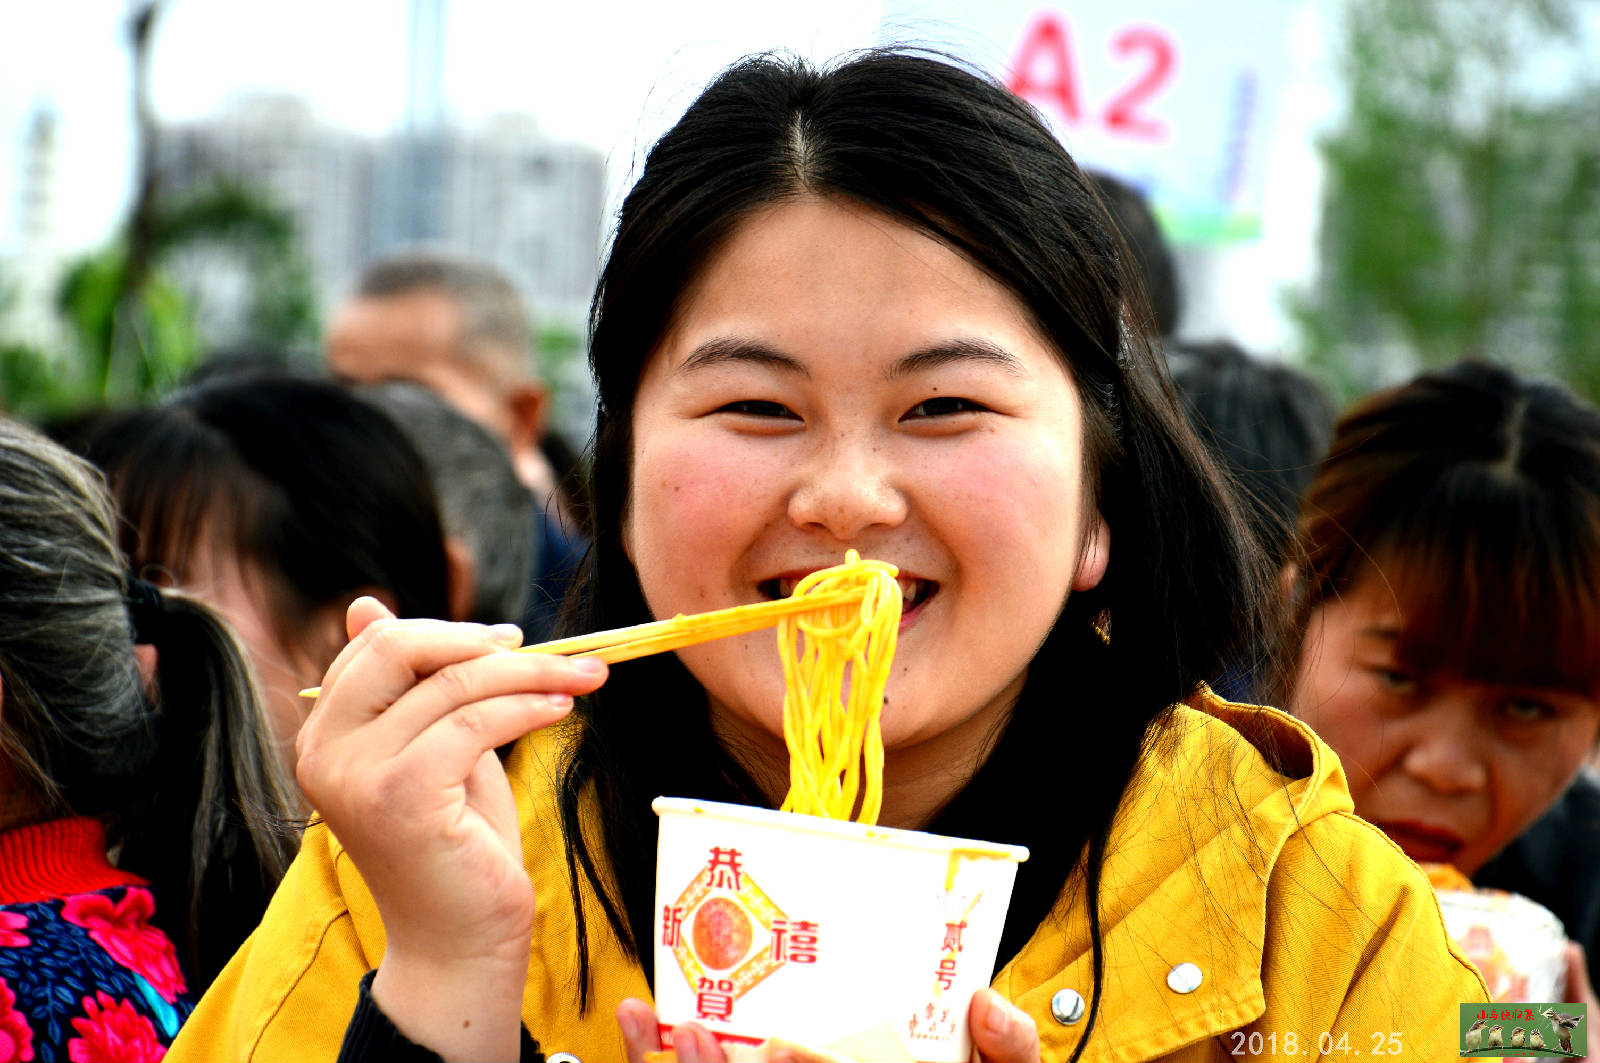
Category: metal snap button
<point>1184,978</point>
<point>1067,1007</point>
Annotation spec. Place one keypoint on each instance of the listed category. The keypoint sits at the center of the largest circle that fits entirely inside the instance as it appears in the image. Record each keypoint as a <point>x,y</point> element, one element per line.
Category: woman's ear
<point>148,658</point>
<point>627,536</point>
<point>1094,557</point>
<point>1286,581</point>
<point>461,574</point>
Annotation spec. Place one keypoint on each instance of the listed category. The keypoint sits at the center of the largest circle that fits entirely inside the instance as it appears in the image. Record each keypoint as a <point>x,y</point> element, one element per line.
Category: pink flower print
<point>123,929</point>
<point>113,1032</point>
<point>16,1037</point>
<point>10,924</point>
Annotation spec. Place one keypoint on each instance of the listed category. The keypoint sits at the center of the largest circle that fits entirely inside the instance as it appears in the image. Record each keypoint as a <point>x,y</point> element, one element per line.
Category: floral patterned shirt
<point>84,976</point>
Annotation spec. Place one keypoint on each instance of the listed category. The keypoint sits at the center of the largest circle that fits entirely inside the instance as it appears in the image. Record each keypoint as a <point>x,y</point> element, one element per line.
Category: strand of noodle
<point>831,726</point>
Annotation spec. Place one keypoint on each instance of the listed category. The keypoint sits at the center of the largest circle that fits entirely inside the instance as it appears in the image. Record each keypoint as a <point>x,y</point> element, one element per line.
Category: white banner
<point>1177,98</point>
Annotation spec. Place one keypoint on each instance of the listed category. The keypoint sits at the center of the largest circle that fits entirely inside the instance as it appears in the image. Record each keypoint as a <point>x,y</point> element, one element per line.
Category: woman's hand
<point>1001,1032</point>
<point>398,758</point>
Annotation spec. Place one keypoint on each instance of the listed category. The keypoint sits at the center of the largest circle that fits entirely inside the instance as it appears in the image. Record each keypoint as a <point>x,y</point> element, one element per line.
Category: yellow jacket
<point>1308,927</point>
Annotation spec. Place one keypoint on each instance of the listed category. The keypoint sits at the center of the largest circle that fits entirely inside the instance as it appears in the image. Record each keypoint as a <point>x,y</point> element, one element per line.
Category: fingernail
<point>999,1017</point>
<point>630,1026</point>
<point>590,665</point>
<point>559,702</point>
<point>507,635</point>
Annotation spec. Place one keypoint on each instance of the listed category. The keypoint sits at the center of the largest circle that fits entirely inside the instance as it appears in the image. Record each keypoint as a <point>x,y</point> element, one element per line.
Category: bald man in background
<point>459,327</point>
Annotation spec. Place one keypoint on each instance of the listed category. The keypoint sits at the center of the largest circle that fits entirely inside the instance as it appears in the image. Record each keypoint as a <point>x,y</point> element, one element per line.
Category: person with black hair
<point>874,306</point>
<point>127,715</point>
<point>277,500</point>
<point>1140,230</point>
<point>486,512</point>
<point>1445,622</point>
<point>1270,423</point>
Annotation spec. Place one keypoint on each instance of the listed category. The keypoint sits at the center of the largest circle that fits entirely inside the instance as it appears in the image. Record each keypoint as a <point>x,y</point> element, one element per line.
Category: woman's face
<point>239,592</point>
<point>835,379</point>
<point>1452,769</point>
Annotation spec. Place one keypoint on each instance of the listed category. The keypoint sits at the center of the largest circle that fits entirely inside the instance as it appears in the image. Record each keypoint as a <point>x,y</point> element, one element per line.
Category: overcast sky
<point>610,73</point>
<point>613,74</point>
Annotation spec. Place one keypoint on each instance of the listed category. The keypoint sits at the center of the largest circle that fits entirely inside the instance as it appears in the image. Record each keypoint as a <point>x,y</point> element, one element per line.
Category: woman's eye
<point>1528,710</point>
<point>1397,681</point>
<point>943,406</point>
<point>756,408</point>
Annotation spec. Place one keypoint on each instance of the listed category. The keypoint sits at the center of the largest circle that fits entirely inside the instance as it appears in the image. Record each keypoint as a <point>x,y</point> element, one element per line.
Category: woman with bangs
<point>871,306</point>
<point>277,501</point>
<point>1447,613</point>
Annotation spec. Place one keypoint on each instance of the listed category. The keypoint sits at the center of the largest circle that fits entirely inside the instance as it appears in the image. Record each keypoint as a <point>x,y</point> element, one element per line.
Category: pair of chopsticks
<point>660,636</point>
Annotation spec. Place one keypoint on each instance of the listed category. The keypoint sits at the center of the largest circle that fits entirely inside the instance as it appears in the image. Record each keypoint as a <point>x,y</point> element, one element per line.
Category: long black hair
<point>951,154</point>
<point>316,488</point>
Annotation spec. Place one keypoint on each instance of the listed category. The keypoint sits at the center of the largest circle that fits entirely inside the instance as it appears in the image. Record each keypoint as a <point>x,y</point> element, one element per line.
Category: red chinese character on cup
<point>947,972</point>
<point>795,940</point>
<point>715,999</point>
<point>671,924</point>
<point>952,936</point>
<point>724,869</point>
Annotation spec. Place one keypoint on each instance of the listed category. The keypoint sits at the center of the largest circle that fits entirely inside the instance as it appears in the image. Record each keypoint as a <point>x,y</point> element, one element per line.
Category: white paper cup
<point>1517,944</point>
<point>830,934</point>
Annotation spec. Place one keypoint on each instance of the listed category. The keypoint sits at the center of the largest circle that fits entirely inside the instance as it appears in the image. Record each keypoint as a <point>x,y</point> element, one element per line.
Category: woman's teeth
<point>913,592</point>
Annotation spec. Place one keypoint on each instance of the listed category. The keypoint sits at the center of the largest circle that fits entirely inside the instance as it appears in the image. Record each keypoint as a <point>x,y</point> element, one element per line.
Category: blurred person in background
<point>278,500</point>
<point>1445,614</point>
<point>1270,423</point>
<point>1141,232</point>
<point>488,515</point>
<point>128,716</point>
<point>459,327</point>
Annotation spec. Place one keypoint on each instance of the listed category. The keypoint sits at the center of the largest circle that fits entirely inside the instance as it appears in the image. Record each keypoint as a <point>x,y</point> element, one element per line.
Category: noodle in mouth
<point>835,667</point>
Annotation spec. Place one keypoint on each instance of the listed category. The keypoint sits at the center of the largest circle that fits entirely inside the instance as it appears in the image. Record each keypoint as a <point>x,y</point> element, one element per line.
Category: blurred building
<point>502,192</point>
<point>28,279</point>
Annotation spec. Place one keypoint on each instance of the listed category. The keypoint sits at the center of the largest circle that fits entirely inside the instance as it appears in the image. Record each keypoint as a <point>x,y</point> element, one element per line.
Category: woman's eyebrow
<point>723,351</point>
<point>959,350</point>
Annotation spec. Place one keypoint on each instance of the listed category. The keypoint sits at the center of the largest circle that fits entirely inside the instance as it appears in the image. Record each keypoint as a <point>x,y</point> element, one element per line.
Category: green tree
<point>1462,213</point>
<point>134,332</point>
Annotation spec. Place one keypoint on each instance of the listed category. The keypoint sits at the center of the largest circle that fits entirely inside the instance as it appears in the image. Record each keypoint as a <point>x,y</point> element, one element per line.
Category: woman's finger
<point>446,752</point>
<point>440,759</point>
<point>363,611</point>
<point>640,1033</point>
<point>481,679</point>
<point>1001,1031</point>
<point>693,1043</point>
<point>387,659</point>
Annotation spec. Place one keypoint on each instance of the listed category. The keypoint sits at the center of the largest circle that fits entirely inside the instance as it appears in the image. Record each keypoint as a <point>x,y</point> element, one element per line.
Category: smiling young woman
<point>875,307</point>
<point>922,418</point>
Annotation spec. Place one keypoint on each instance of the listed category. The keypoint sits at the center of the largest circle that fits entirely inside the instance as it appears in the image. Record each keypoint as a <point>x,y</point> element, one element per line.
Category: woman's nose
<point>1448,756</point>
<point>845,488</point>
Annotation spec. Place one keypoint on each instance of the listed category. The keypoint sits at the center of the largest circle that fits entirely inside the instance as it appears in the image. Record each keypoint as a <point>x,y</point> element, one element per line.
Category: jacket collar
<point>1184,882</point>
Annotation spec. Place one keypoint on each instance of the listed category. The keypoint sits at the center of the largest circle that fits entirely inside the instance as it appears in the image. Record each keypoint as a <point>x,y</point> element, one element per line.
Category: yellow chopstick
<point>659,636</point>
